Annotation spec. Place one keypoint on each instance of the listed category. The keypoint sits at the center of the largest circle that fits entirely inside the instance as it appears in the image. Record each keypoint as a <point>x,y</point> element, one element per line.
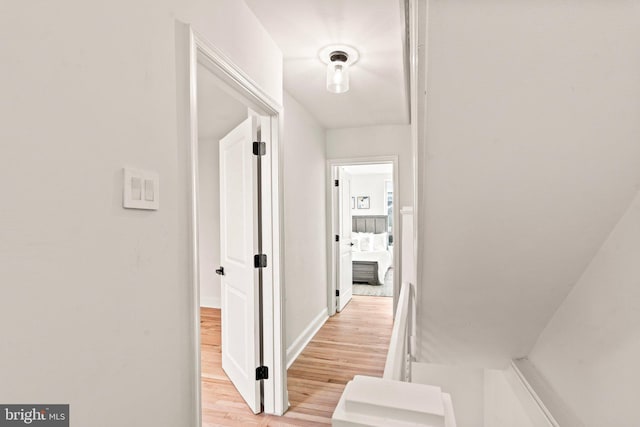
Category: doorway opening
<point>363,238</point>
<point>220,115</point>
<point>231,130</point>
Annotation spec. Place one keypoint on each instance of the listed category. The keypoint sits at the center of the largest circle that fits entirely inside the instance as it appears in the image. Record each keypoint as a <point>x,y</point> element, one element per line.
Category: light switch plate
<point>141,189</point>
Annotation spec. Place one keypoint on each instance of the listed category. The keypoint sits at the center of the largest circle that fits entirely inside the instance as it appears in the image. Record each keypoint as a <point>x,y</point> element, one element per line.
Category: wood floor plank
<point>353,342</point>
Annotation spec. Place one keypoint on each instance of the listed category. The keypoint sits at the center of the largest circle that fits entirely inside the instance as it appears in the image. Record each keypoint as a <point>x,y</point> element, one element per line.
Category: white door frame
<point>192,49</point>
<point>332,208</point>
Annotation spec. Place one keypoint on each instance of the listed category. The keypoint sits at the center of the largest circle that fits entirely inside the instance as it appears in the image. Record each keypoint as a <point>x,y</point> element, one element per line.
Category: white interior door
<point>345,268</point>
<point>239,242</point>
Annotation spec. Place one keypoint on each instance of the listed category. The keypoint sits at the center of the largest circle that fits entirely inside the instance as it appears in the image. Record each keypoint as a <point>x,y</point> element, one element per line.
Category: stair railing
<point>402,344</point>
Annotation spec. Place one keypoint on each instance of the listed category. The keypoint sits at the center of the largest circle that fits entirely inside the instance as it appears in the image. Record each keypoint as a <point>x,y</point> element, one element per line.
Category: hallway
<point>353,342</point>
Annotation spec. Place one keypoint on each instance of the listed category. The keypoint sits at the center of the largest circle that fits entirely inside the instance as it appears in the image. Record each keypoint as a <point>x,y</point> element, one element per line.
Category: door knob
<point>220,271</point>
<point>351,244</point>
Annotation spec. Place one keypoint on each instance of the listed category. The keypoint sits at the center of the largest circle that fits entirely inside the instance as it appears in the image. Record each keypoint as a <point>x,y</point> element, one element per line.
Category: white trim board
<point>542,395</point>
<point>300,343</point>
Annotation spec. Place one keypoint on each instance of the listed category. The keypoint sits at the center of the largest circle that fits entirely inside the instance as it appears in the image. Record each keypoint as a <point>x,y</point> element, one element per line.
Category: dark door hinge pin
<point>262,373</point>
<point>260,261</point>
<point>259,148</point>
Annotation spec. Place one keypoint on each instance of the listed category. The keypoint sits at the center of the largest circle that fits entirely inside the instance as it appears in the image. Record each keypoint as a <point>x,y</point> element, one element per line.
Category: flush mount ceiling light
<point>338,59</point>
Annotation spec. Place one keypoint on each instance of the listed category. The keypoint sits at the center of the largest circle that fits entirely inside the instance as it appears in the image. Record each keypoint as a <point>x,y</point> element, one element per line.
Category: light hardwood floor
<point>353,342</point>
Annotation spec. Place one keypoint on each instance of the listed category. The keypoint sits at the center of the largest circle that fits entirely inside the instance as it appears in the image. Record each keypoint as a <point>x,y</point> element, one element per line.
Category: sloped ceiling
<point>532,156</point>
<point>374,27</point>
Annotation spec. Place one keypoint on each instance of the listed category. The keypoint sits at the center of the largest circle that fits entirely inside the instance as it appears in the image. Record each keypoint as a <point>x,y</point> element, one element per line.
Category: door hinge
<point>262,373</point>
<point>336,183</point>
<point>337,238</point>
<point>259,148</point>
<point>337,292</point>
<point>260,261</point>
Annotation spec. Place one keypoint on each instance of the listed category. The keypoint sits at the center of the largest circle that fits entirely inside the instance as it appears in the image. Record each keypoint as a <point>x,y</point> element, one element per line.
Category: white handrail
<point>398,364</point>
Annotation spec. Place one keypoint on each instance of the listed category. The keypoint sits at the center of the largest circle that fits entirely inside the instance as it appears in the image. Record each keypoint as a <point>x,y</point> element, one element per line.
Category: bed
<point>371,264</point>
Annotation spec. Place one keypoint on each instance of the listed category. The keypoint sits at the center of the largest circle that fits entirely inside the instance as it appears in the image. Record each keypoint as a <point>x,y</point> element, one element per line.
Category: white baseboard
<point>209,302</point>
<point>545,397</point>
<point>294,350</point>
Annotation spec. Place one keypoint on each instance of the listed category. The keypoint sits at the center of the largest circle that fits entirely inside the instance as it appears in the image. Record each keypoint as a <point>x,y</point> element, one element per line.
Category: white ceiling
<point>374,27</point>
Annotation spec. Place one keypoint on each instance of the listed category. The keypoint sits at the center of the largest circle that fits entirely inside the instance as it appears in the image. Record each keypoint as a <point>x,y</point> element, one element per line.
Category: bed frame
<point>367,271</point>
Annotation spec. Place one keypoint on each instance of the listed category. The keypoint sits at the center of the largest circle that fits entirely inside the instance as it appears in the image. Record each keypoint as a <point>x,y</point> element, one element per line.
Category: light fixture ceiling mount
<point>338,56</point>
<point>338,59</point>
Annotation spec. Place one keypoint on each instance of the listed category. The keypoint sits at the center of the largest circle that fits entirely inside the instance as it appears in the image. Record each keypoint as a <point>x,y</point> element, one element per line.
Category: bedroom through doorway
<point>364,232</point>
<point>372,229</point>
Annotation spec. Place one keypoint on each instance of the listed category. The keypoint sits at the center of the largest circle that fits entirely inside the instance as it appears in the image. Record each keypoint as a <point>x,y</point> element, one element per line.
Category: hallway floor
<point>353,342</point>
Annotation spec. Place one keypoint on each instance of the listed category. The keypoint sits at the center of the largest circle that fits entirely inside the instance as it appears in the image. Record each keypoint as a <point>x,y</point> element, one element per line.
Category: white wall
<point>464,384</point>
<point>485,397</point>
<point>372,141</point>
<point>209,222</point>
<point>372,185</point>
<point>590,349</point>
<point>98,296</point>
<point>305,223</point>
<point>508,403</point>
<point>531,156</point>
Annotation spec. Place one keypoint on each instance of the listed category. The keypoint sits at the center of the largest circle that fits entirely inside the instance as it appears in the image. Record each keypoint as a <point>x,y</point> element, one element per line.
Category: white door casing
<point>344,283</point>
<point>238,245</point>
<point>193,49</point>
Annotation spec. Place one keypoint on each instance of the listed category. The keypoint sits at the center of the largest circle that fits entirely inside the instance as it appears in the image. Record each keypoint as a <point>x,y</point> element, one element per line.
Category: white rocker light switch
<point>141,189</point>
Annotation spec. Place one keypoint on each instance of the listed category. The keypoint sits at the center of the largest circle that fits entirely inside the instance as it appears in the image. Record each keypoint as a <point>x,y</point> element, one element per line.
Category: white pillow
<point>380,242</point>
<point>355,240</point>
<point>366,242</point>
